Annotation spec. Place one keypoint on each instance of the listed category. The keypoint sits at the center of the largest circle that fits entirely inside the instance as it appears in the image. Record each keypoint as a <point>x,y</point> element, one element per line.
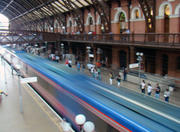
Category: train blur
<point>70,93</point>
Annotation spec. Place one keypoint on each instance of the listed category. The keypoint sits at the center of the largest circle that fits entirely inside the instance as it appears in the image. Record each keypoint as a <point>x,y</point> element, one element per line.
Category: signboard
<point>91,55</point>
<point>29,80</point>
<point>134,65</point>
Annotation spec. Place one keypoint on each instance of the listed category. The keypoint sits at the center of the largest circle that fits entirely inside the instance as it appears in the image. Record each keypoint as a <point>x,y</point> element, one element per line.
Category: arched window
<point>90,21</point>
<point>136,14</point>
<point>166,10</point>
<point>178,63</point>
<point>121,17</point>
<point>122,21</point>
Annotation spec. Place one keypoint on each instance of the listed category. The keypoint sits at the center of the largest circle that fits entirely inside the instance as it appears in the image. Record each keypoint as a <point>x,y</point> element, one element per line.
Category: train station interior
<point>89,65</point>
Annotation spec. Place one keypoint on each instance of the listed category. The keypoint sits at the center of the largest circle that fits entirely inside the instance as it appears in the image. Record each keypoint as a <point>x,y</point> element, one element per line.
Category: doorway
<point>122,59</point>
<point>164,65</point>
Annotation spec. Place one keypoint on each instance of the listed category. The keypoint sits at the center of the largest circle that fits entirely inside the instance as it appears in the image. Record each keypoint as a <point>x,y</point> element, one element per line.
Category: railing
<point>150,38</point>
<point>168,40</point>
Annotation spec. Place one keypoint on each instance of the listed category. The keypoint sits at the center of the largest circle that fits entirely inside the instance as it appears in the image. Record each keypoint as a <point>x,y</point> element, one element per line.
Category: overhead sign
<point>134,65</point>
<point>29,80</point>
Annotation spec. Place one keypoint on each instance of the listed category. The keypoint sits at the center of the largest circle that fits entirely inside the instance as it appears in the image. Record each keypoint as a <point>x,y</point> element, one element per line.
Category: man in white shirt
<point>166,95</point>
<point>143,86</point>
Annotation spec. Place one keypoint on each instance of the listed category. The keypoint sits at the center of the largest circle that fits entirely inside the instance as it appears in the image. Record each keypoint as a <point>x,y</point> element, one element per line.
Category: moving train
<point>70,92</point>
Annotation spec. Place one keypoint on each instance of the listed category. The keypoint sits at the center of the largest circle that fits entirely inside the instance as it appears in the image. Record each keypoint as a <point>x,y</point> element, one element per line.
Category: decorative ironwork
<point>149,9</point>
<point>104,12</point>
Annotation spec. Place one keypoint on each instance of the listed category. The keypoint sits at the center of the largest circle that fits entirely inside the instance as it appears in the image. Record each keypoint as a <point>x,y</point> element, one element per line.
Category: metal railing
<point>150,39</point>
<point>166,40</point>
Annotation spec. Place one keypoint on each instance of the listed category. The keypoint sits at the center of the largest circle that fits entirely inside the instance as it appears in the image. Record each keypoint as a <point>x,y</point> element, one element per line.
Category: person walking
<point>166,95</point>
<point>149,89</point>
<point>143,86</point>
<point>118,80</point>
<point>157,91</point>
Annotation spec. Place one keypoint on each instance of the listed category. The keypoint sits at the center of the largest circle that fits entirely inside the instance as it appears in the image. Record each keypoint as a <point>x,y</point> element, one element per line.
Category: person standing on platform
<point>157,91</point>
<point>119,80</point>
<point>149,89</point>
<point>57,58</point>
<point>83,67</point>
<point>92,71</point>
<point>78,66</point>
<point>111,78</point>
<point>99,73</point>
<point>166,95</point>
<point>143,86</point>
<point>95,73</point>
<point>67,62</point>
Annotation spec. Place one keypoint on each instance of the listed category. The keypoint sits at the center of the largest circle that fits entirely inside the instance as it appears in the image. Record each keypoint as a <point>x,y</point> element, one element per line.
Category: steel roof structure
<point>31,10</point>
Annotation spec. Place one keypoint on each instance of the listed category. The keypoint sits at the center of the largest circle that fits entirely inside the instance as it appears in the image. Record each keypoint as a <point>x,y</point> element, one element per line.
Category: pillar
<point>115,58</point>
<point>131,55</point>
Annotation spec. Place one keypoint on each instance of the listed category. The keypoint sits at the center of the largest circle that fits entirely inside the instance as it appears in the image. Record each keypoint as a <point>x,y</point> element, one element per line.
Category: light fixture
<point>137,53</point>
<point>89,126</point>
<point>80,119</point>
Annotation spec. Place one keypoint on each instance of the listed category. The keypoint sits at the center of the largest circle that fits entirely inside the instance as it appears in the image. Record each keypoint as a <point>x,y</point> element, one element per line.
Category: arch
<point>89,17</point>
<point>133,12</point>
<point>162,6</point>
<point>177,10</point>
<point>69,21</point>
<point>116,17</point>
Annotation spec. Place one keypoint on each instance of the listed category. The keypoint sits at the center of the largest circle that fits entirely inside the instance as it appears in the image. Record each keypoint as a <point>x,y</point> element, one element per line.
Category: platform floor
<point>35,117</point>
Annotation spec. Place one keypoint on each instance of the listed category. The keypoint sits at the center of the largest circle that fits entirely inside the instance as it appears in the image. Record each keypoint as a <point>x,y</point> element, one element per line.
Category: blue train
<point>70,93</point>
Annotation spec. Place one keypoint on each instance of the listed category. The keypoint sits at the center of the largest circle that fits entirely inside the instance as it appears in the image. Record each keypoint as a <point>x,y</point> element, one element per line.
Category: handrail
<point>147,38</point>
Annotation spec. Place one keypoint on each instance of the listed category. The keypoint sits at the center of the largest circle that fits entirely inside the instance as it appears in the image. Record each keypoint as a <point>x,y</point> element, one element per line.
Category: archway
<point>122,59</point>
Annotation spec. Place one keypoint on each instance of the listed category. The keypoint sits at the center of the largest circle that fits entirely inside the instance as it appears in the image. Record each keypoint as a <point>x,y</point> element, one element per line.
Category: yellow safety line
<point>54,120</point>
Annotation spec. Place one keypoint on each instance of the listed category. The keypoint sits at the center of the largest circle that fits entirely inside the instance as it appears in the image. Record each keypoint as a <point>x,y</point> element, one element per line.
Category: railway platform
<point>35,115</point>
<point>174,95</point>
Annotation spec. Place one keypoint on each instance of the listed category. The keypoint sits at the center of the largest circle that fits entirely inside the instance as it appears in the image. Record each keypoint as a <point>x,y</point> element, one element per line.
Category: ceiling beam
<point>6,6</point>
<point>31,10</point>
